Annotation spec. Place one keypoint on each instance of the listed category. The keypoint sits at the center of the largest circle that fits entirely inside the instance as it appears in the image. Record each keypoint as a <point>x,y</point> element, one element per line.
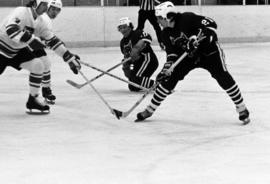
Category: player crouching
<point>136,45</point>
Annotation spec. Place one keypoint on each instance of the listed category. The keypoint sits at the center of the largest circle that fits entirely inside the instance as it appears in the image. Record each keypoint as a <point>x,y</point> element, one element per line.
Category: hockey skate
<point>36,107</point>
<point>48,96</point>
<point>243,115</point>
<point>143,115</point>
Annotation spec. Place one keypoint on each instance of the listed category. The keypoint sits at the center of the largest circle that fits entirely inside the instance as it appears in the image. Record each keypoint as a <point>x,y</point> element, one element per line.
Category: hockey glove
<point>192,44</point>
<point>73,61</point>
<point>164,76</point>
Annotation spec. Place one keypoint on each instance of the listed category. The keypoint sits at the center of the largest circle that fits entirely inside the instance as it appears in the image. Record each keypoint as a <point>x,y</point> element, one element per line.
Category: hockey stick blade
<point>74,84</point>
<point>120,114</point>
<point>117,113</point>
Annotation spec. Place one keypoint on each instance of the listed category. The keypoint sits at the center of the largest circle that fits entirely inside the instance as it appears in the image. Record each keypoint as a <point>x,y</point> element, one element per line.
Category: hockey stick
<point>79,86</point>
<point>200,37</point>
<point>126,113</point>
<point>122,114</point>
<point>100,96</point>
<point>114,76</point>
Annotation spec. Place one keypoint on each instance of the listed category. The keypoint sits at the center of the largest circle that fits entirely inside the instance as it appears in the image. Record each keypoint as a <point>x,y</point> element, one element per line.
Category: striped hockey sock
<point>236,96</point>
<point>160,94</point>
<point>34,83</point>
<point>46,79</point>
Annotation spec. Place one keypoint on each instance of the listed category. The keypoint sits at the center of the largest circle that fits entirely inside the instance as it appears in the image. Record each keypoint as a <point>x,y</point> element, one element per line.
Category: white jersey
<point>44,27</point>
<point>21,17</point>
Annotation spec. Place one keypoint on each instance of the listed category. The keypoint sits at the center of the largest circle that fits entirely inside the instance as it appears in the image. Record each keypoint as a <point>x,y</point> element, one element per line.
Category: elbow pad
<point>54,43</point>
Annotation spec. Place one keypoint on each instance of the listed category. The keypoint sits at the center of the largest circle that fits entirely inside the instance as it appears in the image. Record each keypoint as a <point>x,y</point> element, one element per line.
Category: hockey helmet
<point>38,2</point>
<point>125,21</point>
<point>55,3</point>
<point>163,9</point>
<point>36,5</point>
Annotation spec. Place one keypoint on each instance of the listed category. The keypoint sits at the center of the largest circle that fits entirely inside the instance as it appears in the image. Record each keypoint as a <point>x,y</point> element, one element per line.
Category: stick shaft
<point>96,91</point>
<point>112,75</point>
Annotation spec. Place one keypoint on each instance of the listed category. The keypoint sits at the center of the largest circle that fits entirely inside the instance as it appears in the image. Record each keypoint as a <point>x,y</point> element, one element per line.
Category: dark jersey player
<point>180,34</point>
<point>135,44</point>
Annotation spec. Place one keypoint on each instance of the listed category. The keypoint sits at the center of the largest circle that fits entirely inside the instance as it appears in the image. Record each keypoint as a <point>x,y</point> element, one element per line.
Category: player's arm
<point>16,34</point>
<point>207,27</point>
<point>60,49</point>
<point>53,43</point>
<point>58,46</point>
<point>202,31</point>
<point>172,55</point>
<point>144,40</point>
<point>15,29</point>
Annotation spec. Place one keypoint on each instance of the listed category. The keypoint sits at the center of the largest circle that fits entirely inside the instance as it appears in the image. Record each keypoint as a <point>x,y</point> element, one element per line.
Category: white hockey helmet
<point>125,21</point>
<point>55,3</point>
<point>163,9</point>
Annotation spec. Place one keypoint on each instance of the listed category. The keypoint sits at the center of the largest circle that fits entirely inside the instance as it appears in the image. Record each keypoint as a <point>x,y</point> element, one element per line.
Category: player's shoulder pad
<point>45,21</point>
<point>20,12</point>
<point>188,14</point>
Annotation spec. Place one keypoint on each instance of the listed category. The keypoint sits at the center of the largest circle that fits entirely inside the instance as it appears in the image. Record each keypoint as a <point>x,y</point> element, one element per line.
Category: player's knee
<point>224,79</point>
<point>169,85</point>
<point>134,89</point>
<point>46,63</point>
<point>37,66</point>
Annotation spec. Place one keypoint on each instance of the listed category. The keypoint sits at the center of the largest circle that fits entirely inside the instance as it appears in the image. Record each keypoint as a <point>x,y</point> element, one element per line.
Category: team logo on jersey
<point>17,20</point>
<point>180,39</point>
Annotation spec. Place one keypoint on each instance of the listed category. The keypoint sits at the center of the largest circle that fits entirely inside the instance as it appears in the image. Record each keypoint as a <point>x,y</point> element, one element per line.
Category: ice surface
<point>195,136</point>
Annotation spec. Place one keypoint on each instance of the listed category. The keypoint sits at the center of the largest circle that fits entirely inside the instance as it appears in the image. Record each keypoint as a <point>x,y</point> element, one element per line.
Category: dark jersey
<point>186,25</point>
<point>127,43</point>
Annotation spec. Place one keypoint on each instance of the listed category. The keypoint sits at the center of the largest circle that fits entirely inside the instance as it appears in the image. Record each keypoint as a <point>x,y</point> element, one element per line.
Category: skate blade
<point>36,112</point>
<point>246,121</point>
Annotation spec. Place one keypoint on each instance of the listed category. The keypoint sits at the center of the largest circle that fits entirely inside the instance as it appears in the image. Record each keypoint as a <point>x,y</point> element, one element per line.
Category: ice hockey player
<point>54,8</point>
<point>180,34</point>
<point>136,45</point>
<point>21,48</point>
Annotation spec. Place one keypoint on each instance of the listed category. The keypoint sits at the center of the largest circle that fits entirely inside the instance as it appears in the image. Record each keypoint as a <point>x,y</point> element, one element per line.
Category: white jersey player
<point>21,47</point>
<point>45,31</point>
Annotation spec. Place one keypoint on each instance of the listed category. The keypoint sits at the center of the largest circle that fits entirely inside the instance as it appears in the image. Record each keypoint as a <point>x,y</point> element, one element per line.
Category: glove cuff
<point>67,57</point>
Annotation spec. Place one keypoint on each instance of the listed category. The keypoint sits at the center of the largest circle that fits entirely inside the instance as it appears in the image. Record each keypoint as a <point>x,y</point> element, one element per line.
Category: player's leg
<point>141,19</point>
<point>217,67</point>
<point>46,81</point>
<point>153,20</point>
<point>165,88</point>
<point>36,68</point>
<point>143,70</point>
<point>27,60</point>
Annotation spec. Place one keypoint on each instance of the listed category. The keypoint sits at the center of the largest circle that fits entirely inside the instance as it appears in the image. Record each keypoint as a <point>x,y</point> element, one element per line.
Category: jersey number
<point>207,21</point>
